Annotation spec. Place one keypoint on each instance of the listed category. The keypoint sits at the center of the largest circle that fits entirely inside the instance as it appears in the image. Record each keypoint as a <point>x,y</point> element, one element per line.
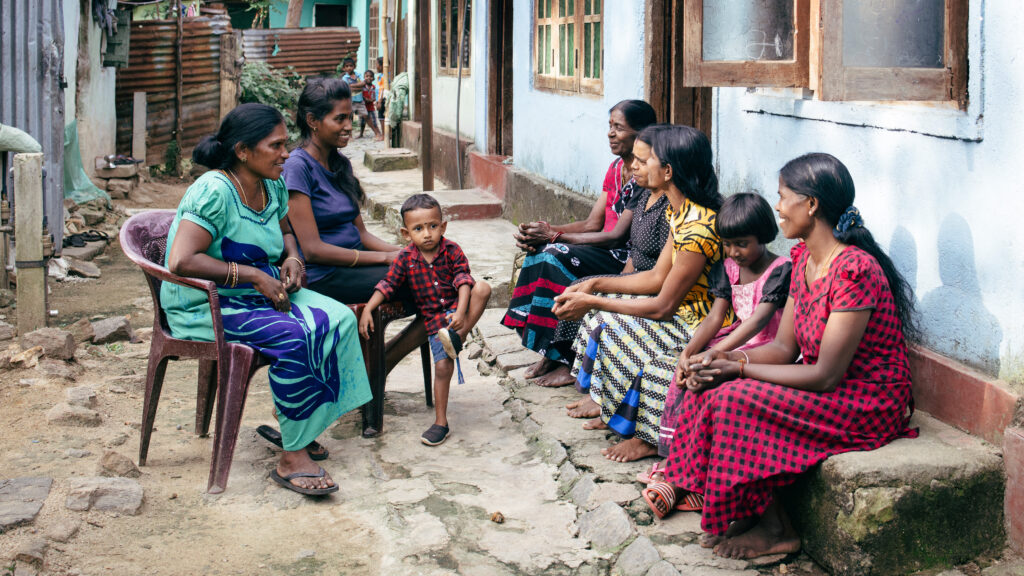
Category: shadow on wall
<point>954,321</point>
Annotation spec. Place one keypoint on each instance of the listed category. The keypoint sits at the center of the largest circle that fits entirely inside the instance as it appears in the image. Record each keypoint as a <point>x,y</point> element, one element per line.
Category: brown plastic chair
<point>143,239</point>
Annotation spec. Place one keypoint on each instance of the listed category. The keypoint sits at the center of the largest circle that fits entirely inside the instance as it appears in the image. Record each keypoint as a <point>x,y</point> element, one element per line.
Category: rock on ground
<point>606,527</point>
<point>7,331</point>
<point>83,268</point>
<point>81,330</point>
<point>112,330</point>
<point>637,558</point>
<point>56,343</point>
<point>663,568</point>
<point>21,499</point>
<point>64,414</point>
<point>63,531</point>
<point>83,396</point>
<point>116,464</point>
<point>32,551</point>
<point>122,495</point>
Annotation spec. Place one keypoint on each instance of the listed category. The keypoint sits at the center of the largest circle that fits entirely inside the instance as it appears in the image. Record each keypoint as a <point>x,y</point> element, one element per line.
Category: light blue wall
<point>940,189</point>
<point>565,138</point>
<point>358,16</point>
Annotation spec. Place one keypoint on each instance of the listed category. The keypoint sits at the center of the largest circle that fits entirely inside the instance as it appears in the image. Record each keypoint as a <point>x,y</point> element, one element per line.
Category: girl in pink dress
<point>751,283</point>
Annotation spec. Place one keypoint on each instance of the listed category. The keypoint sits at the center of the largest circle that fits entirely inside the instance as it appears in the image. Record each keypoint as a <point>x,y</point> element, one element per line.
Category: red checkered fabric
<point>434,285</point>
<point>740,441</point>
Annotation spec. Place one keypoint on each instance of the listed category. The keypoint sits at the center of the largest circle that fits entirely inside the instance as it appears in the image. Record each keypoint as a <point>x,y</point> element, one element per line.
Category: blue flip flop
<point>286,482</point>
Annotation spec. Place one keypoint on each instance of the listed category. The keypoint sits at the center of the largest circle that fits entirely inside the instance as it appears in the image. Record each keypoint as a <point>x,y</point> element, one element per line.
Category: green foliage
<point>172,157</point>
<point>261,82</point>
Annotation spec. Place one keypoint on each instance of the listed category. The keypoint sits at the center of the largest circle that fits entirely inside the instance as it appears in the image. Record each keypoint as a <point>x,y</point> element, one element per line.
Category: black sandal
<point>316,451</point>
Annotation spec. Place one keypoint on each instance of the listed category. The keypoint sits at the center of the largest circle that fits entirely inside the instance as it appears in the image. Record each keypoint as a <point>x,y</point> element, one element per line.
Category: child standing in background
<point>369,99</point>
<point>450,301</point>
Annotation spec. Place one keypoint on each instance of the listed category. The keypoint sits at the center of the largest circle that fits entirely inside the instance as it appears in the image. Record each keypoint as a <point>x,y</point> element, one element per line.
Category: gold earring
<point>244,159</point>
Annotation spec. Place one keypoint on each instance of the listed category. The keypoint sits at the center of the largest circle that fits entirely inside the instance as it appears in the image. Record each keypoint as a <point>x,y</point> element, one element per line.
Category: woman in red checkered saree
<point>751,422</point>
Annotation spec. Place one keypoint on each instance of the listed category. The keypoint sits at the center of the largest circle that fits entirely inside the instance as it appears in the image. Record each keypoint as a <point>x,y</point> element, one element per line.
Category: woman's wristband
<point>743,361</point>
<point>554,237</point>
<point>301,263</point>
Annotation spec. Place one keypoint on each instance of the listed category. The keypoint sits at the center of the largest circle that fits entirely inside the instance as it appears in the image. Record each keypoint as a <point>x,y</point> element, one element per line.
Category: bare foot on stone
<point>629,450</point>
<point>585,408</point>
<point>709,540</point>
<point>560,376</point>
<point>773,534</point>
<point>595,424</point>
<point>540,367</point>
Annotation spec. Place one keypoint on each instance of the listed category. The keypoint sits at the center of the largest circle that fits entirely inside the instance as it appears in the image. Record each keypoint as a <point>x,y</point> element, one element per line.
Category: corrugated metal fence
<point>151,69</point>
<point>31,91</point>
<point>310,51</point>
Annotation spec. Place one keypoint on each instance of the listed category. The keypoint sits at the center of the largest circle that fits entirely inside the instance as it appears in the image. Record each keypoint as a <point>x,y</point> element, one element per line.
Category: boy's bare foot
<point>560,376</point>
<point>585,408</point>
<point>773,534</point>
<point>595,424</point>
<point>540,367</point>
<point>629,450</point>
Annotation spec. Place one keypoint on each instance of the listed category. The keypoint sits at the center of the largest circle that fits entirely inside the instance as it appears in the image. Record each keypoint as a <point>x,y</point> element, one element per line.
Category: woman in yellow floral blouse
<point>633,331</point>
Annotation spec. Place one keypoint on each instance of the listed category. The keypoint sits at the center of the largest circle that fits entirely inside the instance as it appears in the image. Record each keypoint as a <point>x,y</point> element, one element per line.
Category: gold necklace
<point>828,260</point>
<point>245,197</point>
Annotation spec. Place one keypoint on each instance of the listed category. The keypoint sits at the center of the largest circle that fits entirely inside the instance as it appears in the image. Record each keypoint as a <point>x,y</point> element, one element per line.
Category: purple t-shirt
<point>333,210</point>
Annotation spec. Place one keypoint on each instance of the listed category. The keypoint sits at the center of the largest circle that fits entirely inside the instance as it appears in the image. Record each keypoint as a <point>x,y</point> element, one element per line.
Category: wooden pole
<point>423,70</point>
<point>179,40</point>
<point>28,234</point>
<point>382,21</point>
<point>139,125</point>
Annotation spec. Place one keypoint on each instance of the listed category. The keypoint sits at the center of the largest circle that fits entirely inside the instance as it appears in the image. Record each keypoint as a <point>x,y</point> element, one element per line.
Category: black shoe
<point>435,435</point>
<point>451,342</point>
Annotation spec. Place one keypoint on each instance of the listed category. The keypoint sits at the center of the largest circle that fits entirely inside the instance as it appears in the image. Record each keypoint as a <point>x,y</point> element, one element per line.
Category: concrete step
<point>930,502</point>
<point>471,204</point>
<point>390,159</point>
<point>490,248</point>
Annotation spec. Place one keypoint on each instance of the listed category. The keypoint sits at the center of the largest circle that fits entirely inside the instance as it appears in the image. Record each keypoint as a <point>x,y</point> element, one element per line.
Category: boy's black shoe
<point>434,435</point>
<point>451,342</point>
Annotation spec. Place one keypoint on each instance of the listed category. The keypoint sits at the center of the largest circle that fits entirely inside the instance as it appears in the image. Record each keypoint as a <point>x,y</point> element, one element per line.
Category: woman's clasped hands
<point>706,369</point>
<point>574,302</point>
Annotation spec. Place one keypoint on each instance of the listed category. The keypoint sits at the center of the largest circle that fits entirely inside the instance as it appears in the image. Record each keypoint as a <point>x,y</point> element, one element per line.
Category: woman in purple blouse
<point>344,260</point>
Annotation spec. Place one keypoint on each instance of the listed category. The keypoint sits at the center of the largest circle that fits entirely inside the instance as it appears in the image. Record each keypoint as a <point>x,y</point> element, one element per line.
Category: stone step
<point>930,502</point>
<point>470,204</point>
<point>389,159</point>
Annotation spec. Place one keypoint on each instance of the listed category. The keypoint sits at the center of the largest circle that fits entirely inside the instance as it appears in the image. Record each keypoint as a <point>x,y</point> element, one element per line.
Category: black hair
<point>318,99</point>
<point>247,124</point>
<point>746,214</point>
<point>348,61</point>
<point>825,178</point>
<point>688,151</point>
<point>419,202</point>
<point>639,114</point>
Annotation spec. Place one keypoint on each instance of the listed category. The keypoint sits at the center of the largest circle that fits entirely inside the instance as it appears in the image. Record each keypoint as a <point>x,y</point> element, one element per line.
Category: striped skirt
<point>545,275</point>
<point>626,364</point>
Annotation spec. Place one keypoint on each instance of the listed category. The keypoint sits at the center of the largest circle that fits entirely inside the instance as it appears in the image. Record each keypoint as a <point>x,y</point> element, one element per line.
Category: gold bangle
<point>227,277</point>
<point>234,274</point>
<point>356,260</point>
<point>301,263</point>
<point>743,362</point>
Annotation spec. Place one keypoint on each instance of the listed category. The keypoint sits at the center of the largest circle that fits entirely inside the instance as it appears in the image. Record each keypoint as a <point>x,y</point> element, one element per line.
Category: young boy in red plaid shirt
<point>450,301</point>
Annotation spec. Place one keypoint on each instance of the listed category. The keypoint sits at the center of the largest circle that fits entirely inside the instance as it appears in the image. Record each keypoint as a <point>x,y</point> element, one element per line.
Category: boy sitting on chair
<point>450,301</point>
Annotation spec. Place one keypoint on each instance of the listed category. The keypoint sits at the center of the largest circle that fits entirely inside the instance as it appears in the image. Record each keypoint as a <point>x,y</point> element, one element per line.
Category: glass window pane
<point>597,6</point>
<point>586,8</point>
<point>442,36</point>
<point>540,8</point>
<point>587,48</point>
<point>896,33</point>
<point>561,49</point>
<point>572,7</point>
<point>570,55</point>
<point>468,34</point>
<point>749,30</point>
<point>548,50</point>
<point>548,11</point>
<point>598,50</point>
<point>561,7</point>
<point>454,31</point>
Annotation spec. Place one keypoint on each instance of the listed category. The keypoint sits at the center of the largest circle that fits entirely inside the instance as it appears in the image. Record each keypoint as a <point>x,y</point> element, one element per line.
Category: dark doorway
<point>674,103</point>
<point>499,79</point>
<point>330,15</point>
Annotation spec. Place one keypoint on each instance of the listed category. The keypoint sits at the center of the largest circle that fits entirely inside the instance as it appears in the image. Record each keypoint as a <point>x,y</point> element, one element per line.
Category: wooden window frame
<point>780,73</point>
<point>555,82</point>
<point>447,69</point>
<point>373,34</point>
<point>818,62</point>
<point>839,82</point>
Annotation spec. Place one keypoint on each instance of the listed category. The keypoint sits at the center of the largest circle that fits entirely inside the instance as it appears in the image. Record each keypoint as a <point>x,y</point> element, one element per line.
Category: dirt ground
<point>403,508</point>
